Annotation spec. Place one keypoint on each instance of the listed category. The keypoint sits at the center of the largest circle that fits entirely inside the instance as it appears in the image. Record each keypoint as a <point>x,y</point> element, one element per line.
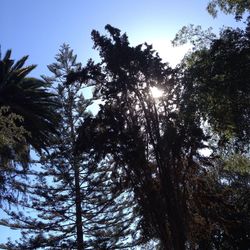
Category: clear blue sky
<point>38,27</point>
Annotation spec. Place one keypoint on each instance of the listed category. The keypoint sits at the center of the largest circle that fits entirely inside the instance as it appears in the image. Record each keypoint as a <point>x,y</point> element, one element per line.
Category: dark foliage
<point>29,98</point>
<point>28,117</point>
<point>216,86</point>
<point>76,201</point>
<point>135,172</point>
<point>147,137</point>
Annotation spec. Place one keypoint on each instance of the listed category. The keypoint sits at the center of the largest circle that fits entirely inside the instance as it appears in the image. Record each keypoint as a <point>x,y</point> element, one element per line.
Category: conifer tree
<point>156,148</point>
<point>75,202</point>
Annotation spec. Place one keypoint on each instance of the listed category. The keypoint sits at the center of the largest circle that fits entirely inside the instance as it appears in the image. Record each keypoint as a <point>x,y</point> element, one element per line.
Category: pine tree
<point>75,201</point>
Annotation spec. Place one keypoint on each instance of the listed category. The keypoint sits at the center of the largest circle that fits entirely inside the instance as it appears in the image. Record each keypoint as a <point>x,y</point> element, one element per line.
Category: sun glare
<point>156,93</point>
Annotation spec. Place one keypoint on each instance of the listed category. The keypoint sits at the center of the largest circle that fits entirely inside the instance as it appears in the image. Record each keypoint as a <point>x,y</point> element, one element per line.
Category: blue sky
<point>38,27</point>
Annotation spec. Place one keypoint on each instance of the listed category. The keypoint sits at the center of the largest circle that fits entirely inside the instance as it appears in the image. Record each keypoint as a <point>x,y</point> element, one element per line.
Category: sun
<point>156,92</point>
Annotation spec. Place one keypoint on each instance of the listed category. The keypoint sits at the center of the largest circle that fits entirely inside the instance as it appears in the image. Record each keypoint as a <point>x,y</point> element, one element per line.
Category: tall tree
<point>28,117</point>
<point>216,85</point>
<point>73,198</point>
<point>147,137</point>
<point>215,89</point>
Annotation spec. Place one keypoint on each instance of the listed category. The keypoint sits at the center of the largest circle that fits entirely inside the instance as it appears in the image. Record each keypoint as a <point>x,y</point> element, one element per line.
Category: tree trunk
<point>79,224</point>
<point>175,216</point>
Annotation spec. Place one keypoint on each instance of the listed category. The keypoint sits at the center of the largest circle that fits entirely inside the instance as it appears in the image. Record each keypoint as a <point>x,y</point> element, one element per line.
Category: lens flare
<point>156,92</point>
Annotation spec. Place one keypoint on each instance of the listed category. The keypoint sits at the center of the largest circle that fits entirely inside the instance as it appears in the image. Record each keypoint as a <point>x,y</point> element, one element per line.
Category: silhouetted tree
<point>215,90</point>
<point>216,85</point>
<point>134,174</point>
<point>73,198</point>
<point>147,137</point>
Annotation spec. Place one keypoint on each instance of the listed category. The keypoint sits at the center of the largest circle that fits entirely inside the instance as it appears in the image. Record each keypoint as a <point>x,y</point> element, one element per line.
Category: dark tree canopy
<point>145,172</point>
<point>28,117</point>
<point>216,83</point>
<point>157,141</point>
<point>146,137</point>
<point>29,98</point>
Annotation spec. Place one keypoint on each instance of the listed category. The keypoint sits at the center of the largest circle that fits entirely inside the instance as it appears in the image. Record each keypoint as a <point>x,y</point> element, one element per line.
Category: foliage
<point>221,211</point>
<point>134,175</point>
<point>215,89</point>
<point>14,156</point>
<point>236,7</point>
<point>75,200</point>
<point>195,35</point>
<point>237,163</point>
<point>29,98</point>
<point>231,220</point>
<point>216,86</point>
<point>12,135</point>
<point>148,138</point>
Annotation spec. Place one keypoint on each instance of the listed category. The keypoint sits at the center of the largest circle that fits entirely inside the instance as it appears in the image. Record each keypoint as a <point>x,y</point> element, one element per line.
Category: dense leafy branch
<point>236,7</point>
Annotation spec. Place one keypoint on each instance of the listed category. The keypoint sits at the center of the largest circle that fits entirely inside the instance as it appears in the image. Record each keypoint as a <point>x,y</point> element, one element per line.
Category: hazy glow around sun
<point>156,93</point>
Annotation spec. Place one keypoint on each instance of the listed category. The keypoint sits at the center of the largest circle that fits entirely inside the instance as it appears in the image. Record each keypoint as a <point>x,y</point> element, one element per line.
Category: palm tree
<point>29,98</point>
<point>28,116</point>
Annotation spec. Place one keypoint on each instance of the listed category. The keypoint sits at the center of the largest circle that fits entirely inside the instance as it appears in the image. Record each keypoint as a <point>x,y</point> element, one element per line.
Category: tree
<point>215,90</point>
<point>182,201</point>
<point>29,98</point>
<point>75,202</point>
<point>216,86</point>
<point>222,208</point>
<point>236,7</point>
<point>28,117</point>
<point>134,174</point>
<point>198,38</point>
<point>147,137</point>
<point>14,156</point>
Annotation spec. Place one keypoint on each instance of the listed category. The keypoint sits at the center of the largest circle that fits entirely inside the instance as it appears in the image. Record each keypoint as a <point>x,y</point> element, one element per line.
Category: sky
<point>39,27</point>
